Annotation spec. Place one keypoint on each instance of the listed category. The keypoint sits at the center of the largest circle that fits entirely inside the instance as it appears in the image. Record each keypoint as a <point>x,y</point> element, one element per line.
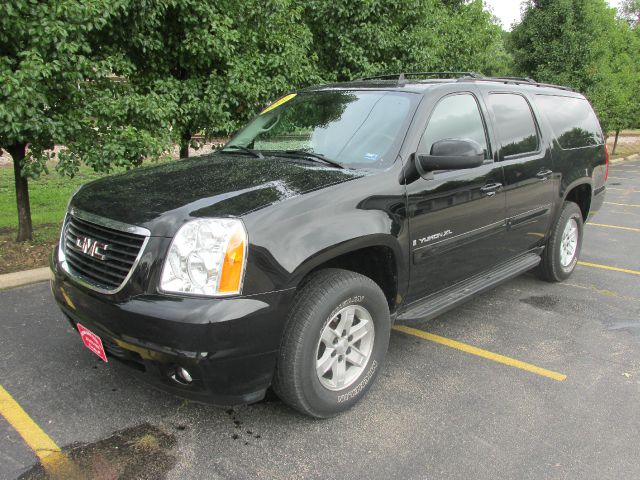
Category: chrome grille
<point>98,254</point>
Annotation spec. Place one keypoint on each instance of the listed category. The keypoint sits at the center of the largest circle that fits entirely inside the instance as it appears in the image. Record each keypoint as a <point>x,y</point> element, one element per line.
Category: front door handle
<point>544,174</point>
<point>490,189</point>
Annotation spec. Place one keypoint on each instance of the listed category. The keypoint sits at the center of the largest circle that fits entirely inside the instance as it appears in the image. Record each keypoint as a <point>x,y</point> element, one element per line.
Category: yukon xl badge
<point>435,236</point>
<point>90,247</point>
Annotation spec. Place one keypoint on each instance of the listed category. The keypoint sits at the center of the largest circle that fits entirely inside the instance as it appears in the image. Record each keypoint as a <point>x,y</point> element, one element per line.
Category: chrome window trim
<point>105,222</point>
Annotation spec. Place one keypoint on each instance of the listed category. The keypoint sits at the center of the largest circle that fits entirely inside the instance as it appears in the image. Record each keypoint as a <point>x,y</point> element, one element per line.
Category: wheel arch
<point>377,256</point>
<point>580,192</point>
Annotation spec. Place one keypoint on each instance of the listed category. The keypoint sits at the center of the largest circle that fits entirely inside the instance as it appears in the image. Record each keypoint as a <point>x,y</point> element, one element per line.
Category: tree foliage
<point>57,89</point>
<point>630,11</point>
<point>213,61</point>
<point>354,39</point>
<point>580,43</point>
<point>616,95</point>
<point>118,81</point>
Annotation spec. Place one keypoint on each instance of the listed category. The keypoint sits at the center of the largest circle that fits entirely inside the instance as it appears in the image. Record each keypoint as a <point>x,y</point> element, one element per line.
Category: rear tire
<point>334,343</point>
<point>562,250</point>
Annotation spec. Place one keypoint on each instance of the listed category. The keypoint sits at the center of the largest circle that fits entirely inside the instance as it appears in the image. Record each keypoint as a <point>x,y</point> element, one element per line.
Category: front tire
<point>562,251</point>
<point>334,343</point>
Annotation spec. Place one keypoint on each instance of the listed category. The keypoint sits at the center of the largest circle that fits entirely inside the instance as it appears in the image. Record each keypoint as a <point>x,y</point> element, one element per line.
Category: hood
<point>163,197</point>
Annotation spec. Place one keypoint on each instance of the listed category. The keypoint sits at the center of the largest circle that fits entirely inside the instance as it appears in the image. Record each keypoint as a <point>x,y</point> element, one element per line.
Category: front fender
<point>290,239</point>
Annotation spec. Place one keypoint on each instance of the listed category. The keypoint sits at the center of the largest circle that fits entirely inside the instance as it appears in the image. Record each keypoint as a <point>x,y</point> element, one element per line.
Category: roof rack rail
<point>517,81</point>
<point>522,79</point>
<point>401,78</point>
<point>403,75</point>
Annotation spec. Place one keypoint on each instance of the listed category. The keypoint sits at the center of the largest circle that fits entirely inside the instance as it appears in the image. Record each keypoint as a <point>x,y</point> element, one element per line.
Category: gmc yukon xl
<point>284,259</point>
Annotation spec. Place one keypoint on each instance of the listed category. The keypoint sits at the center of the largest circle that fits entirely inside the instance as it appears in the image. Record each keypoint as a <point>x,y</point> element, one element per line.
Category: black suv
<point>283,260</point>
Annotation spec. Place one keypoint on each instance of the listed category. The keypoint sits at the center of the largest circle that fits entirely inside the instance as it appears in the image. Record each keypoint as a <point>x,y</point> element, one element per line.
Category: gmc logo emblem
<point>91,247</point>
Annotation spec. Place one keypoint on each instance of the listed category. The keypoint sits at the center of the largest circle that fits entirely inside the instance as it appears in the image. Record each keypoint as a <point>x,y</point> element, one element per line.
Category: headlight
<point>206,257</point>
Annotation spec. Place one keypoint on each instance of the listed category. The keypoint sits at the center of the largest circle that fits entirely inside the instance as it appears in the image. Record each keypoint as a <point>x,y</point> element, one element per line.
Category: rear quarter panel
<point>575,166</point>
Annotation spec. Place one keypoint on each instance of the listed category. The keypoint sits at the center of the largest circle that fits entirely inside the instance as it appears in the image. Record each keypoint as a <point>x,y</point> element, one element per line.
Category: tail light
<point>606,162</point>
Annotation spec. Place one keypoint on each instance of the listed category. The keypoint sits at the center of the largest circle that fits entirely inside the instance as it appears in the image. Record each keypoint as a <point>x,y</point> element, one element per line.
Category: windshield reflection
<point>354,128</point>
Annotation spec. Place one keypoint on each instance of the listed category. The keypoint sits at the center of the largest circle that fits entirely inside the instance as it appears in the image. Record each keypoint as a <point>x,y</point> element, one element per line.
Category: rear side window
<point>572,120</point>
<point>514,121</point>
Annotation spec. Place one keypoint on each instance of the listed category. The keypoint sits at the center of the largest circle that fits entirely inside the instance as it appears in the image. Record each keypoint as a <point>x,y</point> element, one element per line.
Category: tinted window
<point>572,120</point>
<point>355,128</point>
<point>515,124</point>
<point>456,116</point>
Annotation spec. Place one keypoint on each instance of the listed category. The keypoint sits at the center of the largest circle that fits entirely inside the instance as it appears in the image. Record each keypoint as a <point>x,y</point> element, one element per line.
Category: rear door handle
<point>490,189</point>
<point>544,174</point>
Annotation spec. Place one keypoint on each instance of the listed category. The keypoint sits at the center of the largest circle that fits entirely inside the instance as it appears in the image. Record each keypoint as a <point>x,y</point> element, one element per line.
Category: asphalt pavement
<point>436,411</point>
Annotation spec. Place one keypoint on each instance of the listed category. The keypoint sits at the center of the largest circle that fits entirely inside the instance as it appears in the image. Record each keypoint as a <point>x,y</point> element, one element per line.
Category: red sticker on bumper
<point>92,342</point>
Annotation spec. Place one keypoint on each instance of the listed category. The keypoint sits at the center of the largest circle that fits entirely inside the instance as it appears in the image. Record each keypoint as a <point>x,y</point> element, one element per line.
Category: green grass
<point>49,196</point>
<point>626,146</point>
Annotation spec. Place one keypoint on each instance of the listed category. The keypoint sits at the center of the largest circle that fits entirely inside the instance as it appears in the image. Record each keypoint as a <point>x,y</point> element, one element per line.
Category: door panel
<point>455,227</point>
<point>456,217</point>
<point>529,179</point>
<point>529,201</point>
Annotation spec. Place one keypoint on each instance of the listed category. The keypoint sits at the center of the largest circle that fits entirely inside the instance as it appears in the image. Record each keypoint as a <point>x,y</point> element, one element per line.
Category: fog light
<point>181,375</point>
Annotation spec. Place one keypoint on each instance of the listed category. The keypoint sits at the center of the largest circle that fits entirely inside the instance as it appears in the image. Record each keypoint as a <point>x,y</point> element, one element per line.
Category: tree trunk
<point>184,144</point>
<point>615,142</point>
<point>25,229</point>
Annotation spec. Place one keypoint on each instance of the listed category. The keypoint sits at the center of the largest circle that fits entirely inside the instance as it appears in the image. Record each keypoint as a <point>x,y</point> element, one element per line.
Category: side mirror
<point>451,154</point>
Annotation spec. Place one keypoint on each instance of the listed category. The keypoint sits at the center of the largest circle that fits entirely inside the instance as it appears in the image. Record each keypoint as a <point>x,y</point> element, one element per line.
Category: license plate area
<point>92,342</point>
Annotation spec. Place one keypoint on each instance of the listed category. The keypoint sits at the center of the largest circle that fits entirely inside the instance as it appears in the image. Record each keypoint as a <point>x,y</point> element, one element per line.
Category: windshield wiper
<point>314,157</point>
<point>255,153</point>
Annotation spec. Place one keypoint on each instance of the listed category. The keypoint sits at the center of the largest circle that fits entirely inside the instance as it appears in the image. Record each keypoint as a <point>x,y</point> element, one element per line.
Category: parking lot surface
<point>440,409</point>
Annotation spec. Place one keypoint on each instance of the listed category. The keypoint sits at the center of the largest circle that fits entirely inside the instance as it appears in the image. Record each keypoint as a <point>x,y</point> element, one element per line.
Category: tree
<point>214,61</point>
<point>355,39</point>
<point>630,11</point>
<point>577,43</point>
<point>57,89</point>
<point>473,40</point>
<point>616,95</point>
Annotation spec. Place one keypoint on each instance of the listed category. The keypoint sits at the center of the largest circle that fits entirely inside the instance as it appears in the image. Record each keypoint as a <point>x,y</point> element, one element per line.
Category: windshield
<point>359,129</point>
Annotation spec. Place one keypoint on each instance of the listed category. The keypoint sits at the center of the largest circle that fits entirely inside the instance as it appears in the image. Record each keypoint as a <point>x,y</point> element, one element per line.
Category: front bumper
<point>229,346</point>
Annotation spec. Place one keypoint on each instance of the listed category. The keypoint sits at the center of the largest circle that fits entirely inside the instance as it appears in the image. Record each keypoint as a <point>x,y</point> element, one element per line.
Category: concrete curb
<point>26,277</point>
<point>635,156</point>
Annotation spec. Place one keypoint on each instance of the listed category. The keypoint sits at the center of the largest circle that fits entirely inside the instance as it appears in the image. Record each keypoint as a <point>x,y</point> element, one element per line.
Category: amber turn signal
<point>233,263</point>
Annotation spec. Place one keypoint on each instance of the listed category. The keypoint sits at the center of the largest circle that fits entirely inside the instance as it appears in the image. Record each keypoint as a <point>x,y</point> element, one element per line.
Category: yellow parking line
<point>623,189</point>
<point>605,292</point>
<point>622,204</point>
<point>607,267</point>
<point>512,362</point>
<point>56,463</point>
<point>631,229</point>
<point>617,178</point>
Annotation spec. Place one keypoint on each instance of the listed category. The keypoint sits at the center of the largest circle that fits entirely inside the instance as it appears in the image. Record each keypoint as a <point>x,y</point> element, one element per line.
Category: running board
<point>438,303</point>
